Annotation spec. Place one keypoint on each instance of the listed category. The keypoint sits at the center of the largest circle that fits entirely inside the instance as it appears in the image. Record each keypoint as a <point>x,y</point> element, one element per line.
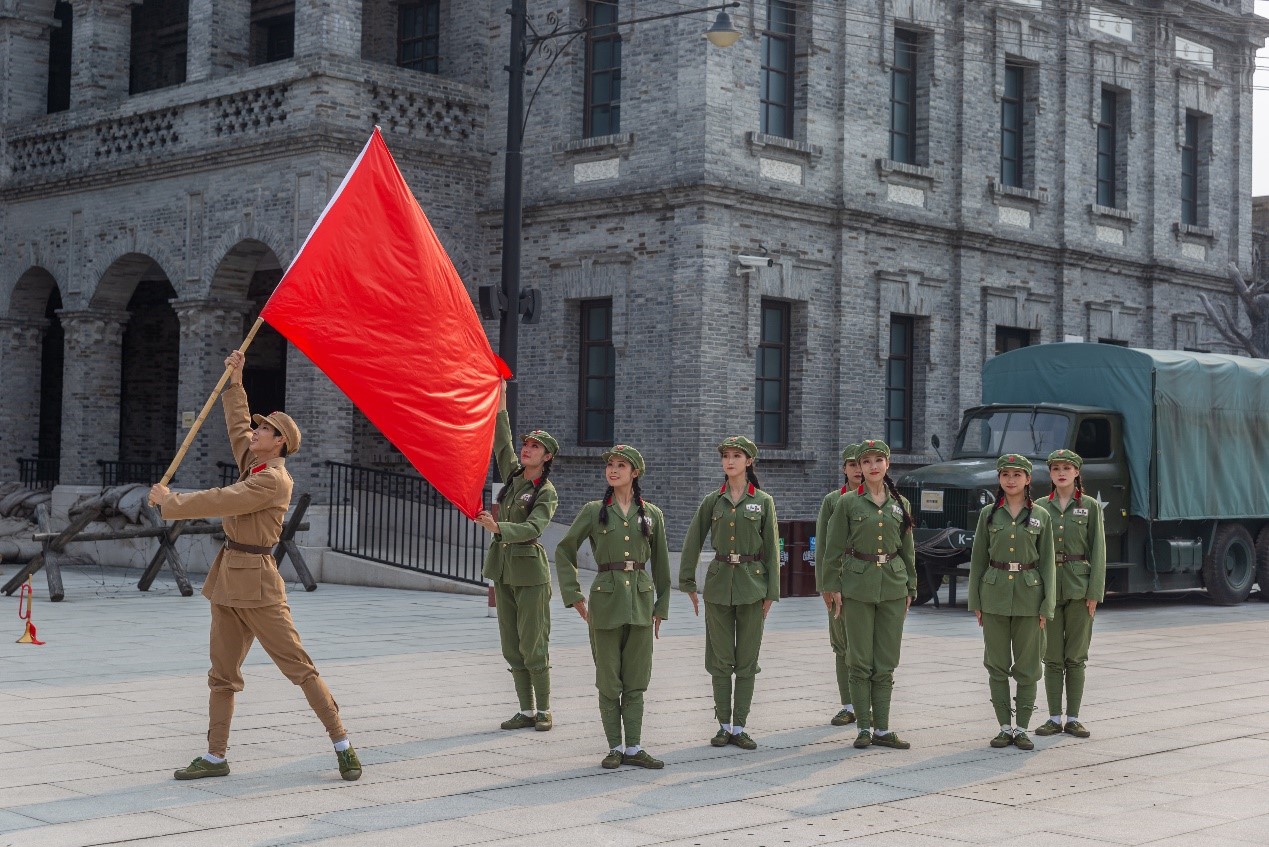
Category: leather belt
<point>619,566</point>
<point>1062,557</point>
<point>735,558</point>
<point>258,549</point>
<point>879,558</point>
<point>1012,567</point>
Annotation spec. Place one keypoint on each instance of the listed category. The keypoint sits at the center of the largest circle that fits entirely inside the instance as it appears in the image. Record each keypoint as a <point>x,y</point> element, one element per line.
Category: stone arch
<point>118,282</point>
<point>33,359</point>
<point>30,294</point>
<point>233,250</point>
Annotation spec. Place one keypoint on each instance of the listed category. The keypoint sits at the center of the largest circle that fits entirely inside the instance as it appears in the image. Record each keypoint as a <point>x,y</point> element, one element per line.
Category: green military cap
<point>544,438</point>
<point>851,453</point>
<point>873,445</point>
<point>626,452</point>
<point>1014,460</point>
<point>739,442</point>
<point>1064,455</point>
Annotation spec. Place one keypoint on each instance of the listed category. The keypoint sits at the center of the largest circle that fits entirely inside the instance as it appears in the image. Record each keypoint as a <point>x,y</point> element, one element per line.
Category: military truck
<point>1175,447</point>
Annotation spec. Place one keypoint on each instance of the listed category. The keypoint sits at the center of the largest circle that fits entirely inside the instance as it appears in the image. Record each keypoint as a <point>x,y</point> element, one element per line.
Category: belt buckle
<point>1014,567</point>
<point>733,558</point>
<point>628,566</point>
<point>882,558</point>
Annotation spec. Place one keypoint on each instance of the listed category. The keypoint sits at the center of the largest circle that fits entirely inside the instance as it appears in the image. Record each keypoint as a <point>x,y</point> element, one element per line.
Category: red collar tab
<point>259,468</point>
<point>723,489</point>
<point>860,490</point>
<point>751,489</point>
<point>608,500</point>
<point>845,488</point>
<point>1052,494</point>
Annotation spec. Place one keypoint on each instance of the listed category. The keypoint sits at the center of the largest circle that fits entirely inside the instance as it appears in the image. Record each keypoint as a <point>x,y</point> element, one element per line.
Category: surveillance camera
<point>754,261</point>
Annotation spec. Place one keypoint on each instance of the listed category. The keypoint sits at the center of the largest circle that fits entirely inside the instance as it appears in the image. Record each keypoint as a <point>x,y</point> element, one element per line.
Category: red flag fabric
<point>373,300</point>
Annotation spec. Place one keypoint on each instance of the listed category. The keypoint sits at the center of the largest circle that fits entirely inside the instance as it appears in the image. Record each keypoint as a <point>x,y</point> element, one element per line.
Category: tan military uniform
<point>247,594</point>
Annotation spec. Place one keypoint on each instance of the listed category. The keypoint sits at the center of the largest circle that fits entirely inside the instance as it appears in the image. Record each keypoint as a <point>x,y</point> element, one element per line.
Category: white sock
<point>848,707</point>
<point>215,760</point>
<point>1006,728</point>
<point>736,730</point>
<point>619,749</point>
<point>881,732</point>
<point>726,726</point>
<point>341,745</point>
<point>633,751</point>
<point>528,714</point>
<point>1057,719</point>
<point>1072,718</point>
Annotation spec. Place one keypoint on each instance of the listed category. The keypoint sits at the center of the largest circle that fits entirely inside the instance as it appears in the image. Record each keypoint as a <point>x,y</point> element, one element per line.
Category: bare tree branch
<point>1226,325</point>
<point>1254,309</point>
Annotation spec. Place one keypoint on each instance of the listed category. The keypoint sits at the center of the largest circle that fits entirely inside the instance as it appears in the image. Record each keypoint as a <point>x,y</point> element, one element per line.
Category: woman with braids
<point>870,580</point>
<point>741,583</point>
<point>1079,547</point>
<point>1011,592</point>
<point>517,566</point>
<point>836,623</point>
<point>627,537</point>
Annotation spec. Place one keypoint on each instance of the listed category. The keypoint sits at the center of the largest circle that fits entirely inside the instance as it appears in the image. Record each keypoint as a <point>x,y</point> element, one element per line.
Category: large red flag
<point>374,301</point>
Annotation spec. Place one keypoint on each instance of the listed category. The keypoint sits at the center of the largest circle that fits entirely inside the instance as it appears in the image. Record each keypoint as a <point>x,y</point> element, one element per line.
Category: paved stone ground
<point>93,723</point>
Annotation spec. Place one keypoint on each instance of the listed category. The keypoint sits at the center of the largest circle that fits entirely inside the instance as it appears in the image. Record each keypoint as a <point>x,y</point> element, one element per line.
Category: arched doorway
<point>148,379</point>
<point>33,361</point>
<point>265,374</point>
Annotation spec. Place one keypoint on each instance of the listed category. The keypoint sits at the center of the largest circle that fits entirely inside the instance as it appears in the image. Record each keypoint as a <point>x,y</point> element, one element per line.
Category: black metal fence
<point>123,473</point>
<point>38,473</point>
<point>399,519</point>
<point>228,474</point>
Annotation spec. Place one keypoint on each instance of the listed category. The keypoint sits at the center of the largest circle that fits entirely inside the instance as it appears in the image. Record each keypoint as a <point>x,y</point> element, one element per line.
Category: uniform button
<point>733,511</point>
<point>880,523</point>
<point>627,553</point>
<point>627,537</point>
<point>1011,535</point>
<point>879,538</point>
<point>627,582</point>
<point>627,523</point>
<point>1011,576</point>
<point>1059,564</point>
<point>733,538</point>
<point>1010,549</point>
<point>731,523</point>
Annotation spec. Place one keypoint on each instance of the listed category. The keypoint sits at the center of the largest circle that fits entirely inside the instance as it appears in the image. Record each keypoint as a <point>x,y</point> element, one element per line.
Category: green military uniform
<point>871,560</point>
<point>745,572</point>
<point>1012,582</point>
<point>622,604</point>
<point>836,622</point>
<point>1079,546</point>
<point>518,568</point>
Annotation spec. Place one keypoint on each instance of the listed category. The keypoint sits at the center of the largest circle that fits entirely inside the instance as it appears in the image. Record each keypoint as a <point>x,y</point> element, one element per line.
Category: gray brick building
<point>931,181</point>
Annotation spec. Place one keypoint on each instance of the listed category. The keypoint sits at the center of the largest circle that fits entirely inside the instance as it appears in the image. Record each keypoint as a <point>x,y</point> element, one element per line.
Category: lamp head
<point>722,33</point>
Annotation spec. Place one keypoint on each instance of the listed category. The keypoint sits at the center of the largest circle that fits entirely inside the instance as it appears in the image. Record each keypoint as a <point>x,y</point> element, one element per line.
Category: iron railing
<point>229,474</point>
<point>399,519</point>
<point>123,473</point>
<point>38,473</point>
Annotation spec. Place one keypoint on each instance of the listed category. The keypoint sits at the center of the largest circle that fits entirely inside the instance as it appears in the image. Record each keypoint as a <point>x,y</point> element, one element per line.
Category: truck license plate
<point>931,501</point>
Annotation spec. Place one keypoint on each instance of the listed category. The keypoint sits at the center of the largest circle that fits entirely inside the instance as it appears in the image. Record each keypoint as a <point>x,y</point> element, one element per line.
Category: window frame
<point>907,420</point>
<point>1190,170</point>
<point>1006,332</point>
<point>584,376</point>
<point>785,308</point>
<point>1013,140</point>
<point>427,11</point>
<point>1107,162</point>
<point>910,41</point>
<point>60,59</point>
<point>783,31</point>
<point>598,33</point>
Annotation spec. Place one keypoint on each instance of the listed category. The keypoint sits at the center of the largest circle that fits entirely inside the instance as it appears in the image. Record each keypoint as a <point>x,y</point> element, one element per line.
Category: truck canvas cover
<point>1201,415</point>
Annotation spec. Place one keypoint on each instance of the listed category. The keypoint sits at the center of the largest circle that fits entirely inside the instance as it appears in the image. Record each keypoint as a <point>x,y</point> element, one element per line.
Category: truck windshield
<point>991,434</point>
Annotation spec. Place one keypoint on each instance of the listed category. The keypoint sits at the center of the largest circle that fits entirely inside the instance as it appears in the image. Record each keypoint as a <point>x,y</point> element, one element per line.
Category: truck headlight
<point>985,497</point>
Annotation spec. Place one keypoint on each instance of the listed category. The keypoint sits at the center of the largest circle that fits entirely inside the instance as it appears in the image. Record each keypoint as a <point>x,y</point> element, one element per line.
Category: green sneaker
<point>843,718</point>
<point>612,761</point>
<point>543,722</point>
<point>349,764</point>
<point>891,740</point>
<point>1004,739</point>
<point>721,738</point>
<point>743,741</point>
<point>200,768</point>
<point>1022,742</point>
<point>863,739</point>
<point>1075,728</point>
<point>643,760</point>
<point>1049,727</point>
<point>519,721</point>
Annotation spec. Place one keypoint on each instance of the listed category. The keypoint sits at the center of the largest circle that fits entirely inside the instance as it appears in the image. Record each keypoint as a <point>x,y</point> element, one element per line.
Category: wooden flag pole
<point>202,416</point>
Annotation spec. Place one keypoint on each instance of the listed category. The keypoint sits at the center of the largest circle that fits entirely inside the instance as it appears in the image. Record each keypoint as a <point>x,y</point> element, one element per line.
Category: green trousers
<point>1067,637</point>
<point>1013,647</point>
<point>623,668</point>
<point>733,637</point>
<point>837,640</point>
<point>875,632</point>
<point>524,627</point>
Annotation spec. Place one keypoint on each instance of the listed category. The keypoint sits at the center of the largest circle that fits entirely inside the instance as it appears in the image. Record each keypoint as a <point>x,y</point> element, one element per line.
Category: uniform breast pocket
<point>855,565</point>
<point>898,566</point>
<point>1080,568</point>
<point>991,575</point>
<point>242,575</point>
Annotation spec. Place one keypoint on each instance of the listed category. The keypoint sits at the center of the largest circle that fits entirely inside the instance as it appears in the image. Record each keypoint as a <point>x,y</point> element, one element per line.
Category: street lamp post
<point>509,303</point>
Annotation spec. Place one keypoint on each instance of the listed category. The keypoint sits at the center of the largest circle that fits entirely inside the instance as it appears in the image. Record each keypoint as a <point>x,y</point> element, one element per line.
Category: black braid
<point>537,486</point>
<point>506,484</point>
<point>603,509</point>
<point>1000,501</point>
<point>1026,515</point>
<point>644,523</point>
<point>908,523</point>
<point>752,477</point>
<point>1079,487</point>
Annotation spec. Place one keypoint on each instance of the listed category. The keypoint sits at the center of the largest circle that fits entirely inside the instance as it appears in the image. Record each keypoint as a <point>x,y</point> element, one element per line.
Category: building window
<point>1194,156</point>
<point>771,386</point>
<point>1013,126</point>
<point>899,383</point>
<point>777,70</point>
<point>904,84</point>
<point>272,31</point>
<point>1112,163</point>
<point>597,392</point>
<point>418,36</point>
<point>603,71</point>
<point>1013,338</point>
<point>158,45</point>
<point>59,58</point>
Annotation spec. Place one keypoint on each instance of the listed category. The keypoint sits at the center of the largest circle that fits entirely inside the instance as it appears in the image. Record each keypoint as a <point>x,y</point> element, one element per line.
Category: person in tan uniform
<point>247,594</point>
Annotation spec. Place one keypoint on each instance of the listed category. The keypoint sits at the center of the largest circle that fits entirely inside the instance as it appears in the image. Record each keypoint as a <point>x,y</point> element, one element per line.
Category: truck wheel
<point>1230,569</point>
<point>1262,563</point>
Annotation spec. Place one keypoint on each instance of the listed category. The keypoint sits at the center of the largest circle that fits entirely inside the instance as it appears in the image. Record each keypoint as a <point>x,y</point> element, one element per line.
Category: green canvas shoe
<point>1049,727</point>
<point>349,764</point>
<point>643,760</point>
<point>200,768</point>
<point>743,741</point>
<point>843,718</point>
<point>543,722</point>
<point>1022,741</point>
<point>612,761</point>
<point>891,740</point>
<point>1075,728</point>
<point>721,738</point>
<point>1004,739</point>
<point>863,739</point>
<point>519,721</point>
